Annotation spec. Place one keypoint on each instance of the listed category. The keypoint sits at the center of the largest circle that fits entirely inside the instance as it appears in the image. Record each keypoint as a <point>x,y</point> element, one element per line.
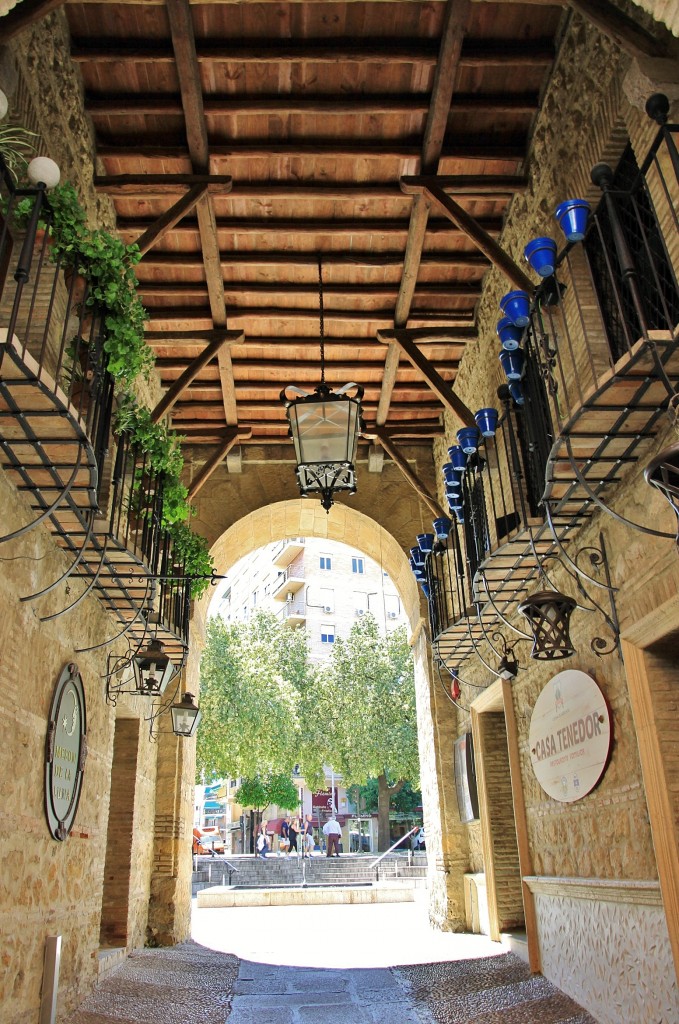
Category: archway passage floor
<point>277,985</point>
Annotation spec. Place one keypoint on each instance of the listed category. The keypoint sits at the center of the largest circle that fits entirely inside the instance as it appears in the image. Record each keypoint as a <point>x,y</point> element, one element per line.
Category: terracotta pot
<point>76,285</point>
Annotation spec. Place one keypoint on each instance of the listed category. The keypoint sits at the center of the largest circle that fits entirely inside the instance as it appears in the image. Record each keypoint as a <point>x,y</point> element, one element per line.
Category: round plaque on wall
<point>570,736</point>
<point>65,752</point>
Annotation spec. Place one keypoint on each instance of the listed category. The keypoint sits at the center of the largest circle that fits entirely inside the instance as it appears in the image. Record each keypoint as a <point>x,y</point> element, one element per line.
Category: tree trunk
<point>384,795</point>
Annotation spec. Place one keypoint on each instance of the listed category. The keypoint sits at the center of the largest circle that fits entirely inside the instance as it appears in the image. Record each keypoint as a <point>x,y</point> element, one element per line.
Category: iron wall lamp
<point>185,716</point>
<point>548,613</point>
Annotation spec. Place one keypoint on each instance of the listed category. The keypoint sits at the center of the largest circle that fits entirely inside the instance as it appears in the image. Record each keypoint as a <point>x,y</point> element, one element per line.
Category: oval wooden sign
<point>570,736</point>
<point>65,752</point>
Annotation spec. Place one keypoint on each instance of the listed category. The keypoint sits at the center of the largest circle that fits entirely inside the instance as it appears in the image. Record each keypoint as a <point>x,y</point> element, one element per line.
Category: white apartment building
<point>319,584</point>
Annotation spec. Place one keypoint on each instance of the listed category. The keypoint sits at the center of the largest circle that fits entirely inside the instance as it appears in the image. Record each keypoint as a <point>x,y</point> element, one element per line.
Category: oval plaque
<point>570,736</point>
<point>65,752</point>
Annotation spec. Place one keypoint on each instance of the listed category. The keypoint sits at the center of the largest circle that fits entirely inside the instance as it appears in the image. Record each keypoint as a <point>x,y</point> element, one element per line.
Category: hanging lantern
<point>185,716</point>
<point>153,669</point>
<point>324,426</point>
<point>548,613</point>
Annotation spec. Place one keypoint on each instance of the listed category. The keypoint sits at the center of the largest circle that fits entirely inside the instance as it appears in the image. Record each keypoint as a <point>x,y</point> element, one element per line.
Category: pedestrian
<point>284,840</point>
<point>332,832</point>
<point>262,842</point>
<point>308,837</point>
<point>293,832</point>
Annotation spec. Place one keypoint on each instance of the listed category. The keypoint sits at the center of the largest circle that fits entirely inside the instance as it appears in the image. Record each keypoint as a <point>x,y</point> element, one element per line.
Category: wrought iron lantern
<point>153,669</point>
<point>185,716</point>
<point>548,613</point>
<point>324,426</point>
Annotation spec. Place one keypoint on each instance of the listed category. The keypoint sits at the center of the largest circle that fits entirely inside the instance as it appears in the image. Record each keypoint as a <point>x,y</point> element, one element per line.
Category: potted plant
<point>16,143</point>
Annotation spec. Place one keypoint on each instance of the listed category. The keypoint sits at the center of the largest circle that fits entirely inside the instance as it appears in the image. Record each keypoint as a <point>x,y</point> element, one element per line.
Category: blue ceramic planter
<point>541,254</point>
<point>425,590</point>
<point>450,474</point>
<point>442,527</point>
<point>426,542</point>
<point>572,216</point>
<point>516,391</point>
<point>457,457</point>
<point>468,439</point>
<point>512,364</point>
<point>508,333</point>
<point>486,421</point>
<point>460,515</point>
<point>416,558</point>
<point>516,306</point>
<point>453,493</point>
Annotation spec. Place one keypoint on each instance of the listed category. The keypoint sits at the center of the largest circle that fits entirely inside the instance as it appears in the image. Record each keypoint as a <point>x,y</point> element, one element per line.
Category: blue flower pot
<point>541,254</point>
<point>442,527</point>
<point>516,391</point>
<point>450,474</point>
<point>426,542</point>
<point>457,457</point>
<point>425,590</point>
<point>416,558</point>
<point>516,306</point>
<point>468,439</point>
<point>486,421</point>
<point>459,512</point>
<point>508,333</point>
<point>572,216</point>
<point>455,504</point>
<point>512,364</point>
<point>453,493</point>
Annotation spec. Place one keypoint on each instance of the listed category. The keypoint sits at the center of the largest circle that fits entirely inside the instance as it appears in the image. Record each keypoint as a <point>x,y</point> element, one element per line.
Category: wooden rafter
<point>473,229</point>
<point>174,393</point>
<point>438,385</point>
<point>229,438</point>
<point>355,258</point>
<point>170,218</point>
<point>186,314</point>
<point>431,290</point>
<point>441,97</point>
<point>284,226</point>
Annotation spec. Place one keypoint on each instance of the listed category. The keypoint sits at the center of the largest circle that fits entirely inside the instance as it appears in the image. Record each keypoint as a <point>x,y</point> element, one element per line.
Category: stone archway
<point>446,839</point>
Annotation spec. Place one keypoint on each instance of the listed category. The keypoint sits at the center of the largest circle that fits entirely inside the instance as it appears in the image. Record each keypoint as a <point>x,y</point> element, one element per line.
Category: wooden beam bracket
<point>173,394</point>
<point>229,438</point>
<point>384,439</point>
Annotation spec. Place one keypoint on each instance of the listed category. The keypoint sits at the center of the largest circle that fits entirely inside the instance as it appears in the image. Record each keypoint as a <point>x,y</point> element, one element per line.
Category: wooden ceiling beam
<point>174,393</point>
<point>231,436</point>
<point>386,441</point>
<point>475,53</point>
<point>171,365</point>
<point>450,51</point>
<point>438,385</point>
<point>422,428</point>
<point>167,221</point>
<point>355,258</point>
<point>188,73</point>
<point>251,408</point>
<point>146,186</point>
<point>186,314</point>
<point>474,231</point>
<point>429,290</point>
<point>435,335</point>
<point>269,390</point>
<point>358,226</point>
<point>463,147</point>
<point>154,104</point>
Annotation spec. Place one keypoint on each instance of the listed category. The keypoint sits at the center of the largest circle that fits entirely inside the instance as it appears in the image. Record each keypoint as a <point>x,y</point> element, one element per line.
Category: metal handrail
<point>415,828</point>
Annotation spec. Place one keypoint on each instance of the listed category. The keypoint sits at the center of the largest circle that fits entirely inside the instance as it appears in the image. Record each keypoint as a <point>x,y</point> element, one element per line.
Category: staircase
<point>244,880</point>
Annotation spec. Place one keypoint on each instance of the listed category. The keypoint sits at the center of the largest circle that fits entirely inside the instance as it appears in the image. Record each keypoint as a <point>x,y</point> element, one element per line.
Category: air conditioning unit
<point>327,608</point>
<point>360,611</point>
<point>393,615</point>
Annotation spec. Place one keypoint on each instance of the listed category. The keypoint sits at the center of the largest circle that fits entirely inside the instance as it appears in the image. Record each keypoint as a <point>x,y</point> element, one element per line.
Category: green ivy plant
<point>193,554</point>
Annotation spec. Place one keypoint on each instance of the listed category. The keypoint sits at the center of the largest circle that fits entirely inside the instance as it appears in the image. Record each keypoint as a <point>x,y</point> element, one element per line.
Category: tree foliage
<point>256,686</point>
<point>258,792</point>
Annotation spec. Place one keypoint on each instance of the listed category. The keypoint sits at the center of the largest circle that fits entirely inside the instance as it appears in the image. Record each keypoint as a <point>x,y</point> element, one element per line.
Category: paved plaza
<point>374,964</point>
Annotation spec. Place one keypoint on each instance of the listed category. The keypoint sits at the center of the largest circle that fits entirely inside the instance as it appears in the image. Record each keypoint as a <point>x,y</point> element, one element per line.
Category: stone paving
<point>190,983</point>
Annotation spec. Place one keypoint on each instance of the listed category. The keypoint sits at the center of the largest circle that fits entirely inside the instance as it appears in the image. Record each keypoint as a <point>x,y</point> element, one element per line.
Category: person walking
<point>293,832</point>
<point>308,837</point>
<point>262,842</point>
<point>284,840</point>
<point>332,832</point>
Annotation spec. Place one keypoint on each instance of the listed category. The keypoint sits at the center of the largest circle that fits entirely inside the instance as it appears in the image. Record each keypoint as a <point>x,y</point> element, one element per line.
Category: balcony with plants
<point>94,466</point>
<point>592,364</point>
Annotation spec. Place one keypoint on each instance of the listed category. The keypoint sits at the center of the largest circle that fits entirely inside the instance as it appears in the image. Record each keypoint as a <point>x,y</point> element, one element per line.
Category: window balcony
<point>293,614</point>
<point>288,583</point>
<point>287,550</point>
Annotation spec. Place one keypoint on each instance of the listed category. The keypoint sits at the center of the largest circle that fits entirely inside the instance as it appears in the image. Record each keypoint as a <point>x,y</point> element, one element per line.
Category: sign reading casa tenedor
<point>570,736</point>
<point>65,752</point>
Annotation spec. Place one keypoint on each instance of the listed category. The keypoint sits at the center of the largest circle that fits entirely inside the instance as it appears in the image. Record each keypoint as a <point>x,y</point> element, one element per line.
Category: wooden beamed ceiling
<point>241,141</point>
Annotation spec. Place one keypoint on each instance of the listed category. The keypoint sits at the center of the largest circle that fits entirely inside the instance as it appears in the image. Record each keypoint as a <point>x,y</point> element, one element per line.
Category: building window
<point>327,633</point>
<point>326,562</point>
<point>254,597</point>
<point>357,565</point>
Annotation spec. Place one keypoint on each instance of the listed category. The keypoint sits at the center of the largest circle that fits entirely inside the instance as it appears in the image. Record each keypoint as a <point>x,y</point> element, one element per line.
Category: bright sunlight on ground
<point>368,935</point>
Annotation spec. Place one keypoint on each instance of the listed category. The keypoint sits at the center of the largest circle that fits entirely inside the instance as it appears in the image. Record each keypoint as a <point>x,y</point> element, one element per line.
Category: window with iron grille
<point>656,280</point>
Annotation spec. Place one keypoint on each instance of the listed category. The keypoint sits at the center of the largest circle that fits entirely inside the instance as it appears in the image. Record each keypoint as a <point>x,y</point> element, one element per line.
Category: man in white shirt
<point>332,832</point>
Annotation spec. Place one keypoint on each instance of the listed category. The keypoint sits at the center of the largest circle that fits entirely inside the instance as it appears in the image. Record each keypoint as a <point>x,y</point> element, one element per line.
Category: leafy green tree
<point>258,792</point>
<point>256,687</point>
<point>368,692</point>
